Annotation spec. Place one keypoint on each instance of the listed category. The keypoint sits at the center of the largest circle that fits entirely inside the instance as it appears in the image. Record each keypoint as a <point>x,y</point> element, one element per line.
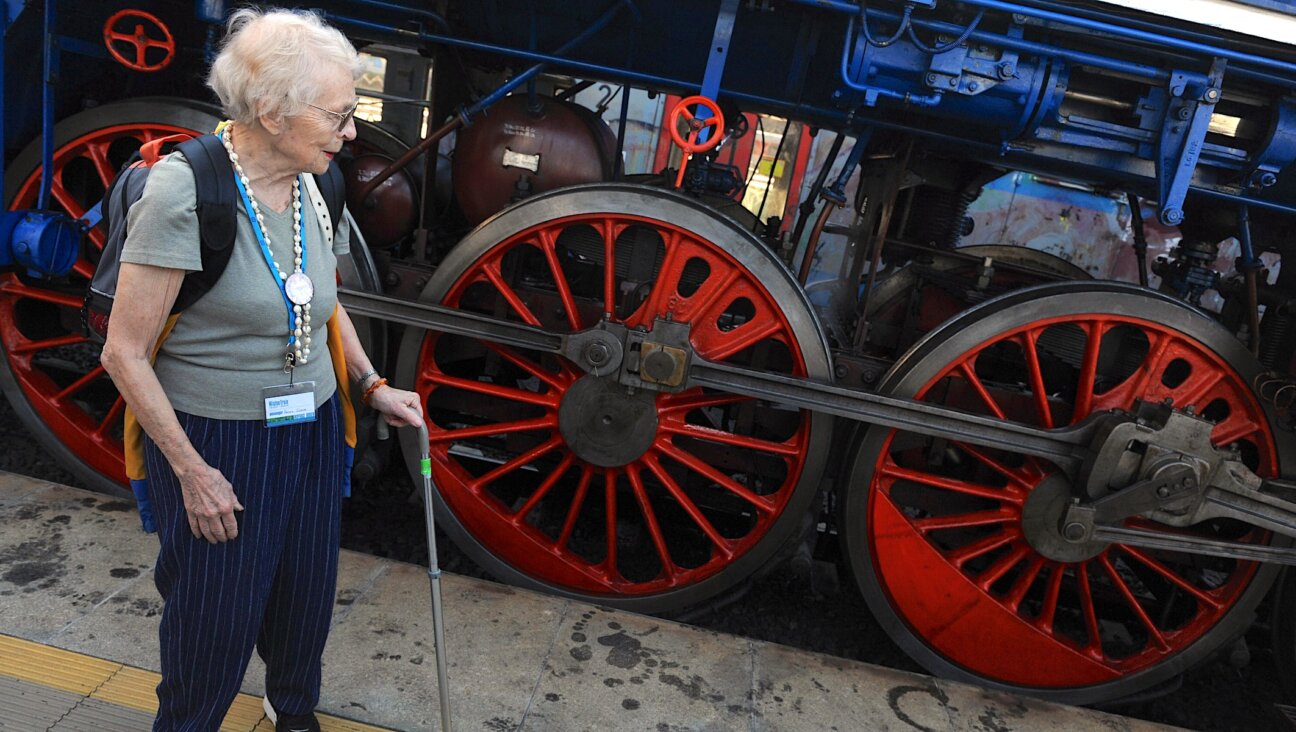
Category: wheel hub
<point>607,424</point>
<point>1043,527</point>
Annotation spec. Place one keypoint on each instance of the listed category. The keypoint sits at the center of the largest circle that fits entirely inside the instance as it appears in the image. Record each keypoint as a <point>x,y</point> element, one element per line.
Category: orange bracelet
<point>372,388</point>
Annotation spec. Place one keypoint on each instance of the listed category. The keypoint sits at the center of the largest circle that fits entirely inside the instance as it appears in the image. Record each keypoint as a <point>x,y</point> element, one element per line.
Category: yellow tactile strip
<point>127,686</point>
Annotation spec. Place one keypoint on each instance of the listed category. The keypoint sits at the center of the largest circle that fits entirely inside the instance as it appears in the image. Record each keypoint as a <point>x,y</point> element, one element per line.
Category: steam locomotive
<point>985,295</point>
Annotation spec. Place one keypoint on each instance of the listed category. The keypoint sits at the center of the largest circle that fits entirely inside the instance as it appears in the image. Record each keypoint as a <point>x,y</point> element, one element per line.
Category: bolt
<point>973,86</point>
<point>1006,70</point>
<point>1266,179</point>
<point>1172,216</point>
<point>1186,482</point>
<point>869,376</point>
<point>1183,113</point>
<point>1177,90</point>
<point>1212,94</point>
<point>1163,491</point>
<point>931,79</point>
<point>953,81</point>
<point>840,370</point>
<point>1074,531</point>
<point>597,353</point>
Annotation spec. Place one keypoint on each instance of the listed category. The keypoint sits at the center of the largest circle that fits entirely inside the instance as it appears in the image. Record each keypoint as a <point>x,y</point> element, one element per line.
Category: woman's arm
<point>398,407</point>
<point>145,296</point>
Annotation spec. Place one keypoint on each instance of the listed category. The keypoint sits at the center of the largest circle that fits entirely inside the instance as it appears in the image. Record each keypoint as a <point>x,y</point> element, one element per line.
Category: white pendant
<point>299,288</point>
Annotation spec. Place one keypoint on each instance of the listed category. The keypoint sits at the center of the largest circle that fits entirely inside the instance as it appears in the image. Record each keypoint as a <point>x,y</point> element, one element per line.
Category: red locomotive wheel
<point>49,372</point>
<point>557,479</point>
<point>939,534</point>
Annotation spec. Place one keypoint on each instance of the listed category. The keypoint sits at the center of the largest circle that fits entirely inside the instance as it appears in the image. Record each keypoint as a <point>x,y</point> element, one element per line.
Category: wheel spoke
<point>711,434</point>
<point>553,443</point>
<point>79,384</point>
<point>606,228</point>
<point>741,338</point>
<point>1172,576</point>
<point>70,204</point>
<point>1158,638</point>
<point>650,517</point>
<point>724,546</point>
<point>665,286</point>
<point>610,498</point>
<point>968,488</point>
<point>510,296</point>
<point>964,520</point>
<point>970,376</point>
<point>962,555</point>
<point>1023,583</point>
<point>15,288</point>
<point>1028,343</point>
<point>1048,609</point>
<point>71,339</point>
<point>1093,644</point>
<point>1001,566</point>
<point>1023,477</point>
<point>548,244</point>
<point>98,154</point>
<point>695,464</point>
<point>114,414</point>
<point>687,402</point>
<point>520,515</point>
<point>1233,429</point>
<point>553,380</point>
<point>488,430</point>
<point>1137,383</point>
<point>495,390</point>
<point>1088,371</point>
<point>573,512</point>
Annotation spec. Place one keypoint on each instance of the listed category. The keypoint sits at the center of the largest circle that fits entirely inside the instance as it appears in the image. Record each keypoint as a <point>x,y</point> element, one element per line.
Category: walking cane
<point>434,577</point>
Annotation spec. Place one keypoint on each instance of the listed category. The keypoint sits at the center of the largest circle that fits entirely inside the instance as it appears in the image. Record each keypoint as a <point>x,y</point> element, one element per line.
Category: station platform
<point>78,651</point>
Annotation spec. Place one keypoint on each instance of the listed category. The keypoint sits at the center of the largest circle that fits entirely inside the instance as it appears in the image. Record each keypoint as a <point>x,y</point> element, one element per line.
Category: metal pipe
<point>1158,39</point>
<point>47,109</point>
<point>807,207</point>
<point>1140,236</point>
<point>879,242</point>
<point>1100,101</point>
<point>1249,264</point>
<point>1017,44</point>
<point>436,19</point>
<point>848,42</point>
<point>465,116</point>
<point>808,258</point>
<point>368,188</point>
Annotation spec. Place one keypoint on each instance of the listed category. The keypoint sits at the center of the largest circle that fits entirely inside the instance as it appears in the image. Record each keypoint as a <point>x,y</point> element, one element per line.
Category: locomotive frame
<point>633,400</point>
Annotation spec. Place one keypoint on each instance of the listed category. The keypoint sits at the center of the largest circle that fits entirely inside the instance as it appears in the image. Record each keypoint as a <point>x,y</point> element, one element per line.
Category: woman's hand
<point>210,504</point>
<point>399,407</point>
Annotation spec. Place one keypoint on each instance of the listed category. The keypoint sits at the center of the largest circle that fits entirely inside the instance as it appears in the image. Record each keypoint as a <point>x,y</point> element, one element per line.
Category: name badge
<point>289,404</point>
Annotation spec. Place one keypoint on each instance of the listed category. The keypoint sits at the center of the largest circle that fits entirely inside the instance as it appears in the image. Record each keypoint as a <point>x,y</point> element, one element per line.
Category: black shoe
<point>290,722</point>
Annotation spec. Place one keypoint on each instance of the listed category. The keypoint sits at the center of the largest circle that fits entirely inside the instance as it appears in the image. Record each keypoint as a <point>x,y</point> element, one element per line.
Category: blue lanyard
<point>269,258</point>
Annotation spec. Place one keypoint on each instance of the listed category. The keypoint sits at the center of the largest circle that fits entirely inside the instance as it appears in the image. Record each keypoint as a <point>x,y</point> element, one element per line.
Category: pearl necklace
<point>301,313</point>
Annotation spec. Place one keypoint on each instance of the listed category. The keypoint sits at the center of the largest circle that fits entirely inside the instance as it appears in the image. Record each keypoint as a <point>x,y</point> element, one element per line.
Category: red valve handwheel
<point>695,127</point>
<point>138,40</point>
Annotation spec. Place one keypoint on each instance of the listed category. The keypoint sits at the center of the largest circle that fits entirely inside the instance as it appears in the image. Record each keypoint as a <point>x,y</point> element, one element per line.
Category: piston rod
<point>1066,447</point>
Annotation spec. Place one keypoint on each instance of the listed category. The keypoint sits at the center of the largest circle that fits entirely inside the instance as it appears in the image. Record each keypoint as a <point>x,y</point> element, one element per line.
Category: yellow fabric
<point>133,434</point>
<point>344,384</point>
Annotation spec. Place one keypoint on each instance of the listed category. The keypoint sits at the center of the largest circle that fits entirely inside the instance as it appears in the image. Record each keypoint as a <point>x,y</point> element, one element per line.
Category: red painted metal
<point>634,490</point>
<point>680,114</point>
<point>93,439</point>
<point>944,582</point>
<point>130,47</point>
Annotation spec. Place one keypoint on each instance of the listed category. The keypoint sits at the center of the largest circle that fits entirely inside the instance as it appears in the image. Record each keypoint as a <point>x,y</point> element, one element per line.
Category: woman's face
<point>312,138</point>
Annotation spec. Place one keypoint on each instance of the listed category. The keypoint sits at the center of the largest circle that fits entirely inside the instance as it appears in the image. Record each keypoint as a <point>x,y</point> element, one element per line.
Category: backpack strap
<point>327,195</point>
<point>216,198</point>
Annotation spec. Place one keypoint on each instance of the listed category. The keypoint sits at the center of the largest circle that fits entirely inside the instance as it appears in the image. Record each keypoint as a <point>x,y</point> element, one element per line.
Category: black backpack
<point>217,201</point>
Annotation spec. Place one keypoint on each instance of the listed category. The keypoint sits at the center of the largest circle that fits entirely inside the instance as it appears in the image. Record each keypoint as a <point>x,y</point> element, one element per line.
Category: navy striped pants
<point>272,588</point>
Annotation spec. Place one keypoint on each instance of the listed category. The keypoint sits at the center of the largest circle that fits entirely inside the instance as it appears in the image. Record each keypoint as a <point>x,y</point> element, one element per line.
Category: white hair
<point>270,62</point>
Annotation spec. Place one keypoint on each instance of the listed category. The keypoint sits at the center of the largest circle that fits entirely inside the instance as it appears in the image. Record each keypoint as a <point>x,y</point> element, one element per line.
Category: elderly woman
<point>244,446</point>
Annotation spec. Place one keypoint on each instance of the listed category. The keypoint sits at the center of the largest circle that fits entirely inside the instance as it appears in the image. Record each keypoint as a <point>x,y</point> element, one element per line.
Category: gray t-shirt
<point>229,345</point>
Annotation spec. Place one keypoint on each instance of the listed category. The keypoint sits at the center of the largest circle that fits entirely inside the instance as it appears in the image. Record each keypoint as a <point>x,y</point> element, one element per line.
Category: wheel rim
<point>695,507</point>
<point>65,395</point>
<point>1088,630</point>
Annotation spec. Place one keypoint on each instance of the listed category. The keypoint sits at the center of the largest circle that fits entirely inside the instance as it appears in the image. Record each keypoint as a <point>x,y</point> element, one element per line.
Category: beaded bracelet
<point>365,376</point>
<point>369,392</point>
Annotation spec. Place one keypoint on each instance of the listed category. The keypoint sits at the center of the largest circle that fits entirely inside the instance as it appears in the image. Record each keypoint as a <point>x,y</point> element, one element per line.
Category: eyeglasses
<point>342,117</point>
